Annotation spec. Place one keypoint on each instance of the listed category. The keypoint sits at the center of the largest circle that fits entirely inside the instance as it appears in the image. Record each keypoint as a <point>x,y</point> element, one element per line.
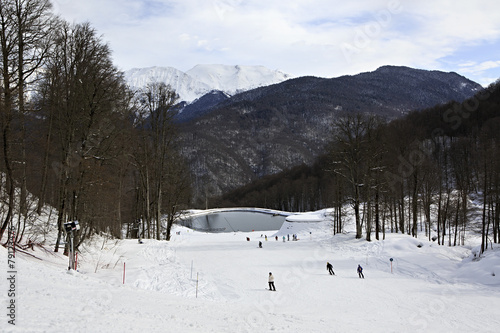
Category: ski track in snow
<point>431,289</point>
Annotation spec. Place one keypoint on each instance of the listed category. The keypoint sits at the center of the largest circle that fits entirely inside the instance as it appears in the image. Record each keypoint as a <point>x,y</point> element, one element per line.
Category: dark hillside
<point>314,187</point>
<point>269,129</point>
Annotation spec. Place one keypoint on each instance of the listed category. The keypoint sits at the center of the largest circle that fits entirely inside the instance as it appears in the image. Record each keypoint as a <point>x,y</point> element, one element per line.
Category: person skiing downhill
<point>360,272</point>
<point>271,282</point>
<point>329,268</point>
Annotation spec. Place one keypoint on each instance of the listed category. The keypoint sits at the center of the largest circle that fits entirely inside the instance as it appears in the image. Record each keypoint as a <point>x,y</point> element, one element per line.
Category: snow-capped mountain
<point>187,87</point>
<point>202,79</point>
<point>234,79</point>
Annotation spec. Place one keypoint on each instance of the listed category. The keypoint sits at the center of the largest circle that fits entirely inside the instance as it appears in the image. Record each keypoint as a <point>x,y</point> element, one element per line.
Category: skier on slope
<point>271,282</point>
<point>329,268</point>
<point>360,272</point>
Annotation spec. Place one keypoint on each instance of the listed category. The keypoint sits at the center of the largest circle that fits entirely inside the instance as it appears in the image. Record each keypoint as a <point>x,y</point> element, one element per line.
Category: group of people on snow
<point>329,268</point>
<point>287,238</point>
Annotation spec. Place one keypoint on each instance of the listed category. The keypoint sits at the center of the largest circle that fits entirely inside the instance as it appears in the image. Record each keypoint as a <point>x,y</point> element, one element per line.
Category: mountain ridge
<point>268,129</point>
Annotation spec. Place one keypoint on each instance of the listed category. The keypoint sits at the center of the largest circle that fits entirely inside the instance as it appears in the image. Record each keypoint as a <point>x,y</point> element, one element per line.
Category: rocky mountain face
<point>268,129</point>
<point>200,106</point>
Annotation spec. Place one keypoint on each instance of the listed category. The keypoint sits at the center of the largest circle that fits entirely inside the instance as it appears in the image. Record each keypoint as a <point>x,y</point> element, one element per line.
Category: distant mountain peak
<point>201,79</point>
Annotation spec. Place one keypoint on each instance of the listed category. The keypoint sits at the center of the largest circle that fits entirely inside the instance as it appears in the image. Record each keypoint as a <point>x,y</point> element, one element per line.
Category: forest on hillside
<point>269,129</point>
<point>75,140</point>
<point>422,171</point>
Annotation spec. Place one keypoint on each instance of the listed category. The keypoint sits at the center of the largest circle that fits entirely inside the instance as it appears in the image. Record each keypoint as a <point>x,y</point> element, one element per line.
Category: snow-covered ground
<point>201,282</point>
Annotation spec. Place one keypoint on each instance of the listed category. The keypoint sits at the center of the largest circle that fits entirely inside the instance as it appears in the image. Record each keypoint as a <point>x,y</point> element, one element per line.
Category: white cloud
<point>483,72</point>
<point>483,66</point>
<point>298,36</point>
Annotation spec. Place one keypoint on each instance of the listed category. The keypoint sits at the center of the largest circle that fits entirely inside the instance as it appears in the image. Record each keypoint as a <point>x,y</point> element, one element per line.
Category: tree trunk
<point>483,231</point>
<point>359,231</point>
<point>367,211</point>
<point>402,214</point>
<point>377,214</point>
<point>414,229</point>
<point>457,214</point>
<point>158,213</point>
<point>45,168</point>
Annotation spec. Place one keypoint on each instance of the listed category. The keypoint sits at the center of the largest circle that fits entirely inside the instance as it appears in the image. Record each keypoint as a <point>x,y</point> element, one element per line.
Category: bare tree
<point>489,170</point>
<point>87,96</point>
<point>8,43</point>
<point>25,36</point>
<point>351,151</point>
<point>162,174</point>
<point>176,191</point>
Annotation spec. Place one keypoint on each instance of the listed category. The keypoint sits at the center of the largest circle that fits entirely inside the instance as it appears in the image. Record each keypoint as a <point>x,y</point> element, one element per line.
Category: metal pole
<point>196,285</point>
<point>71,257</point>
<point>72,251</point>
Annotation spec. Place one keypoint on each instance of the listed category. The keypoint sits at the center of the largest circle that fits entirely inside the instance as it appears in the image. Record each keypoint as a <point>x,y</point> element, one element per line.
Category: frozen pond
<point>234,219</point>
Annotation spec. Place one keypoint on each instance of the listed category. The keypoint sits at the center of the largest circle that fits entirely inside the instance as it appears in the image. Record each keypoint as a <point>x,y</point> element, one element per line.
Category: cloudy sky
<point>325,38</point>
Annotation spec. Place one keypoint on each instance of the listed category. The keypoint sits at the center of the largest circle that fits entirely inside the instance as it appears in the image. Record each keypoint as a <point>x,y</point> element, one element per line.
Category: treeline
<point>419,172</point>
<point>75,137</point>
<point>301,188</point>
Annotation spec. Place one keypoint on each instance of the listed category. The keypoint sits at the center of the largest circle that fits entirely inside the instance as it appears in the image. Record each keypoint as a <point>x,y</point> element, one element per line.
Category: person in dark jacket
<point>329,268</point>
<point>360,272</point>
